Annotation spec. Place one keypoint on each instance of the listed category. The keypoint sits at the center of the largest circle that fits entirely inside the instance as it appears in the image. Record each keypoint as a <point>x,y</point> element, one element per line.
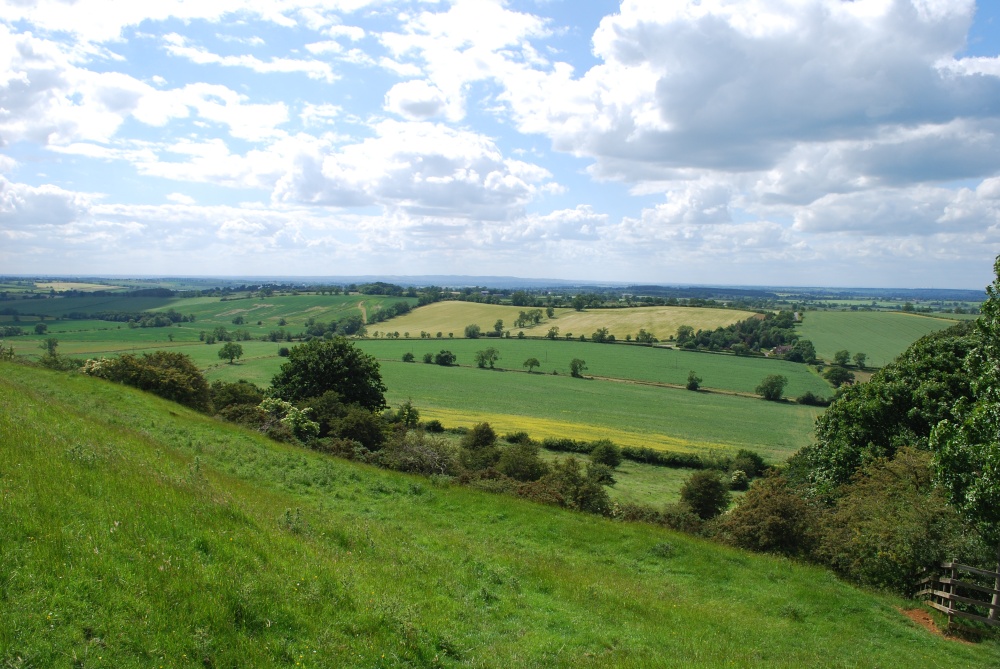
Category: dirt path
<point>364,312</point>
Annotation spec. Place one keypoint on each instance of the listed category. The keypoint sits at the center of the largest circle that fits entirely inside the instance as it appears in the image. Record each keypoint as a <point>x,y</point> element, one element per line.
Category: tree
<point>601,336</point>
<point>684,333</point>
<point>472,331</point>
<point>445,358</point>
<point>486,357</point>
<point>842,358</point>
<point>838,376</point>
<point>230,351</point>
<point>694,381</point>
<point>706,494</point>
<point>41,328</point>
<point>408,357</point>
<point>967,453</point>
<point>606,452</point>
<point>550,312</point>
<point>531,363</point>
<point>49,345</point>
<point>859,360</point>
<point>772,387</point>
<point>577,367</point>
<point>579,303</point>
<point>553,332</point>
<point>771,518</point>
<point>498,326</point>
<point>334,364</point>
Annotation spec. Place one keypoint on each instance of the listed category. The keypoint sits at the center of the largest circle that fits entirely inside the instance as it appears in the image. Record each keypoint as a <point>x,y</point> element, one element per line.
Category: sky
<point>749,142</point>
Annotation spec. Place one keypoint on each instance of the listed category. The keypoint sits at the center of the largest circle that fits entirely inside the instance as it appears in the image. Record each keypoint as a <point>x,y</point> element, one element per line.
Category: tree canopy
<point>335,364</point>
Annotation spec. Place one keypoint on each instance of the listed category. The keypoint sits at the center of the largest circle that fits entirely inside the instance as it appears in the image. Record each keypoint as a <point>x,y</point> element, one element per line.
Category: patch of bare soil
<point>924,619</point>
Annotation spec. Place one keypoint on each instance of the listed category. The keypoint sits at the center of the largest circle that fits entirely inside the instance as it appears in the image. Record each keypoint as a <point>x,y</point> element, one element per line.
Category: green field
<point>136,533</point>
<point>879,334</point>
<point>662,322</point>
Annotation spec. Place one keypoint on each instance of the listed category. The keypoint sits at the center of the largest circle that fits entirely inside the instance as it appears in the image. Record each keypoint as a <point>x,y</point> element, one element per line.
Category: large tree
<point>334,364</point>
<point>967,452</point>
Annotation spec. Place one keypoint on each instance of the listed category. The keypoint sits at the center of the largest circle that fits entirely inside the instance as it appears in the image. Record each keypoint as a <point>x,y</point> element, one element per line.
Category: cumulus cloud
<point>422,168</point>
<point>179,46</point>
<point>415,100</point>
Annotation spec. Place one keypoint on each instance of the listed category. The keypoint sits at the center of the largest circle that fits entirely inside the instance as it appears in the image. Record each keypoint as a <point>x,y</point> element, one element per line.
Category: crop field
<point>636,363</point>
<point>880,335</point>
<point>63,286</point>
<point>628,414</point>
<point>662,322</point>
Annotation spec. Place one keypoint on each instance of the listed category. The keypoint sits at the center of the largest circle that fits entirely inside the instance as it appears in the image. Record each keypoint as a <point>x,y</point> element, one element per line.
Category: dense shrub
<point>706,494</point>
<point>580,489</point>
<point>662,458</point>
<point>173,376</point>
<point>809,398</point>
<point>479,450</point>
<point>521,462</point>
<point>565,445</point>
<point>225,394</point>
<point>750,462</point>
<point>416,452</point>
<point>606,452</point>
<point>772,517</point>
<point>434,425</point>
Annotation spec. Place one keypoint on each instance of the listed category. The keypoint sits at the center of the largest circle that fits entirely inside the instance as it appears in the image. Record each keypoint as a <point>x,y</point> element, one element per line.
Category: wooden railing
<point>961,599</point>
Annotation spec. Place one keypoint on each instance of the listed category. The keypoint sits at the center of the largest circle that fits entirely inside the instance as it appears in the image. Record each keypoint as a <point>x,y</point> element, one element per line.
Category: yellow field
<point>63,286</point>
<point>662,322</point>
<point>541,428</point>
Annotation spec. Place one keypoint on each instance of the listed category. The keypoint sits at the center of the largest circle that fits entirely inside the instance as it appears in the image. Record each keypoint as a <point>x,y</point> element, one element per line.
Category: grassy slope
<point>880,335</point>
<point>136,533</point>
<point>663,322</point>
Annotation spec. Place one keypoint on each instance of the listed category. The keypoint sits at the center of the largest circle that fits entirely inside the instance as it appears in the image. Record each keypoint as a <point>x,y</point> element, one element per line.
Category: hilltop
<point>139,533</point>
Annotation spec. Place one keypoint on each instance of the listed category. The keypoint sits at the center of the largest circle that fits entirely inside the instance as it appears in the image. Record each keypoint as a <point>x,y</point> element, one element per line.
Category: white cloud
<point>415,100</point>
<point>177,45</point>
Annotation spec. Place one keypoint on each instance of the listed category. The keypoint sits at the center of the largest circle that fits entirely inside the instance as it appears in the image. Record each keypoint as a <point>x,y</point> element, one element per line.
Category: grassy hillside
<point>136,533</point>
<point>663,322</point>
<point>881,335</point>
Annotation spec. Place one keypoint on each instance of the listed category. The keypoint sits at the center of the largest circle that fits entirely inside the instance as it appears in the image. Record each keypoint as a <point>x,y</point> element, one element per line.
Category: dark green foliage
<point>842,358</point>
<point>521,462</point>
<point>661,458</point>
<point>566,445</point>
<point>809,398</point>
<point>360,425</point>
<point>428,358</point>
<point>749,462</point>
<point>445,358</point>
<point>520,437</point>
<point>472,331</point>
<point>693,381</point>
<point>487,357</point>
<point>408,357</point>
<point>230,351</point>
<point>606,452</point>
<point>479,450</point>
<point>838,376</point>
<point>581,490</point>
<point>577,367</point>
<point>434,425</point>
<point>319,365</point>
<point>225,394</point>
<point>253,417</point>
<point>531,363</point>
<point>706,494</point>
<point>772,517</point>
<point>172,376</point>
<point>898,407</point>
<point>772,387</point>
<point>283,352</point>
<point>890,523</point>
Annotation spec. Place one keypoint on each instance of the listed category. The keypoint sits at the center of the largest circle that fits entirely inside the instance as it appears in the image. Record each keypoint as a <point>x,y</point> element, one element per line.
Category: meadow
<point>662,322</point>
<point>176,540</point>
<point>881,335</point>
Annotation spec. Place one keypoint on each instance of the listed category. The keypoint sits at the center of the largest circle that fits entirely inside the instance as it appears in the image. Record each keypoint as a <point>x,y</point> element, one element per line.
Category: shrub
<point>566,445</point>
<point>739,480</point>
<point>772,387</point>
<point>750,462</point>
<point>416,452</point>
<point>706,494</point>
<point>428,358</point>
<point>808,398</point>
<point>520,437</point>
<point>445,358</point>
<point>838,376</point>
<point>580,490</point>
<point>479,450</point>
<point>771,518</point>
<point>693,382</point>
<point>606,452</point>
<point>225,394</point>
<point>434,425</point>
<point>521,462</point>
<point>173,376</point>
<point>283,352</point>
<point>408,357</point>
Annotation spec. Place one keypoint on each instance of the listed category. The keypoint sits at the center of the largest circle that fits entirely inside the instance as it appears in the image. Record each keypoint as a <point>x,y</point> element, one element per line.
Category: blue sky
<point>768,142</point>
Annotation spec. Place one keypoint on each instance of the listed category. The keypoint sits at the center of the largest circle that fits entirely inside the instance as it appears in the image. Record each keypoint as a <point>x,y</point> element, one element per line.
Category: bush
<point>408,357</point>
<point>771,518</point>
<point>520,437</point>
<point>706,494</point>
<point>580,490</point>
<point>739,480</point>
<point>521,462</point>
<point>565,445</point>
<point>750,462</point>
<point>772,387</point>
<point>808,398</point>
<point>479,450</point>
<point>693,381</point>
<point>606,452</point>
<point>838,376</point>
<point>662,458</point>
<point>445,358</point>
<point>225,394</point>
<point>418,453</point>
<point>173,376</point>
<point>434,425</point>
<point>428,358</point>
<point>283,352</point>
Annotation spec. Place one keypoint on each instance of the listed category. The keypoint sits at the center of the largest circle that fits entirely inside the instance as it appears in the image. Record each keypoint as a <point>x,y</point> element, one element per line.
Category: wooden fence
<point>961,599</point>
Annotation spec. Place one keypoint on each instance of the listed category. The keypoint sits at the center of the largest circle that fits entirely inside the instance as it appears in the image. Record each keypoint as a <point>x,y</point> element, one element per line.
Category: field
<point>880,335</point>
<point>662,322</point>
<point>176,540</point>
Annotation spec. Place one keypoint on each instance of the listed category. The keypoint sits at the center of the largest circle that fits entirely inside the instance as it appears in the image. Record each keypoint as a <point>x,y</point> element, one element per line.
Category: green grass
<point>638,363</point>
<point>880,335</point>
<point>138,534</point>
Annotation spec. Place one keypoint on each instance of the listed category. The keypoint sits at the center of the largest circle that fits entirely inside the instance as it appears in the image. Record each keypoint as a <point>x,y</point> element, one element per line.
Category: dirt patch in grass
<point>923,618</point>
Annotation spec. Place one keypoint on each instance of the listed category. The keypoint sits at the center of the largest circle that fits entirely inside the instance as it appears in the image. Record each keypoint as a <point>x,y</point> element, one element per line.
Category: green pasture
<point>619,361</point>
<point>176,540</point>
<point>452,317</point>
<point>879,334</point>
